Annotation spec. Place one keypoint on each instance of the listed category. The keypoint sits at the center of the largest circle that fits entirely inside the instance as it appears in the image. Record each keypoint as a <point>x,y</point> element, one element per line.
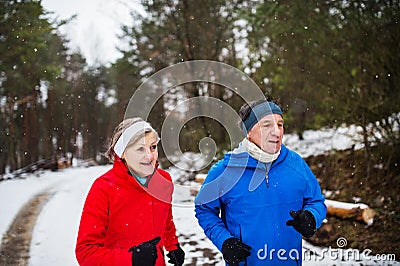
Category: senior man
<point>258,201</point>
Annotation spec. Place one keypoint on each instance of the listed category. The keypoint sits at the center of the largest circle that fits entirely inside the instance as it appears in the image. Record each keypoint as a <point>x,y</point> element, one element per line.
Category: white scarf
<point>258,153</point>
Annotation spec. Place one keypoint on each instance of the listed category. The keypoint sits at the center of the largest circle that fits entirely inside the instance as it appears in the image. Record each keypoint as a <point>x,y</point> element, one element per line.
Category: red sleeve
<point>170,238</point>
<point>90,248</point>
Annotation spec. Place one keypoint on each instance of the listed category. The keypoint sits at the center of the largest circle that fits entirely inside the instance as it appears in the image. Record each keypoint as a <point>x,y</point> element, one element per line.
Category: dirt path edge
<point>15,245</point>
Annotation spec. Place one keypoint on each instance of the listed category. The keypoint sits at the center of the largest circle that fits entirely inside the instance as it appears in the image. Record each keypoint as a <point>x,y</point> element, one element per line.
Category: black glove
<point>235,251</point>
<point>177,256</point>
<point>145,254</point>
<point>303,222</point>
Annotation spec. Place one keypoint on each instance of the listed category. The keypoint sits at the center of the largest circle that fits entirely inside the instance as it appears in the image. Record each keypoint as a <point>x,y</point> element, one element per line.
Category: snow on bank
<point>318,142</point>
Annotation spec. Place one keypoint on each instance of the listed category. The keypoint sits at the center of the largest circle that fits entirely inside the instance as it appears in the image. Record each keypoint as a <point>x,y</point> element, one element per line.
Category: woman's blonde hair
<point>109,154</point>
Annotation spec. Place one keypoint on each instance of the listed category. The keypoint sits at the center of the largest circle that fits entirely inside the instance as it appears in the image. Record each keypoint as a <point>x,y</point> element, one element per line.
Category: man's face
<point>268,133</point>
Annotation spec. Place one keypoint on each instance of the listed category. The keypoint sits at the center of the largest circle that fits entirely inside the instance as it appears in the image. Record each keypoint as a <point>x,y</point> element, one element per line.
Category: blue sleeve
<point>313,200</point>
<point>208,208</point>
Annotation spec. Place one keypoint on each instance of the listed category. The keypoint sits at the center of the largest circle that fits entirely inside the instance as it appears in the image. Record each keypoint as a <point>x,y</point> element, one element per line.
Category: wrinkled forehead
<point>276,118</point>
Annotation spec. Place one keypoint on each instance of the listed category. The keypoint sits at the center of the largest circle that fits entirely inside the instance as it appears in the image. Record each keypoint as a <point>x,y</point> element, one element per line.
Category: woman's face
<point>141,157</point>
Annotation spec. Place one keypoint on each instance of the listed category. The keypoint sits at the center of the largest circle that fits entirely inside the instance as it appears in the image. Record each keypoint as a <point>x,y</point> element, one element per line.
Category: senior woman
<point>127,217</point>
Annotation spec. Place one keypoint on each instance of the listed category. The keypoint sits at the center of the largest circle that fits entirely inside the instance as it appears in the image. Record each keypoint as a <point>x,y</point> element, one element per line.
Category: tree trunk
<point>12,159</point>
<point>34,125</point>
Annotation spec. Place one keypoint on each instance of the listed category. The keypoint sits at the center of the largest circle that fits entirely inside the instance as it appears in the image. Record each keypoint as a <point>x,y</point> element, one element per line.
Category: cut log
<point>357,211</point>
<point>199,178</point>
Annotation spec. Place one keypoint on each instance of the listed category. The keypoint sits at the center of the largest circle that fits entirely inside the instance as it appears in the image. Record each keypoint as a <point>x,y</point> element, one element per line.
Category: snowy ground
<point>55,232</point>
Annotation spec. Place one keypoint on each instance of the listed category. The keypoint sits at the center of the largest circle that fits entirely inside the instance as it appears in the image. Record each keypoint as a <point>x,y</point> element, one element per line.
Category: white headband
<point>126,136</point>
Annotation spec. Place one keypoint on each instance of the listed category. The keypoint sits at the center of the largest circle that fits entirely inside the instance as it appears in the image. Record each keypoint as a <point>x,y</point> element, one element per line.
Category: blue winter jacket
<point>239,199</point>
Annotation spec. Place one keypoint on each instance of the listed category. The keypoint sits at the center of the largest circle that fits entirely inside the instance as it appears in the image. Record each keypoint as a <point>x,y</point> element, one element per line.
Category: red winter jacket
<point>120,213</point>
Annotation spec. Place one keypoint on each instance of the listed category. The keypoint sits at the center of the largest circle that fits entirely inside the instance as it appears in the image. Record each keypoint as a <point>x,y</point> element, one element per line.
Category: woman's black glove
<point>145,254</point>
<point>177,256</point>
<point>303,222</point>
<point>235,251</point>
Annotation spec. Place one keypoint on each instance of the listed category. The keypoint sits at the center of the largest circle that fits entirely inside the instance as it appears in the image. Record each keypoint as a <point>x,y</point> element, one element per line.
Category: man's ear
<point>249,134</point>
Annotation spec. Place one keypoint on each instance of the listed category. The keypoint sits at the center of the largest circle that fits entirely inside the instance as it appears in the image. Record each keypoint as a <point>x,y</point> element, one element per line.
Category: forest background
<point>330,63</point>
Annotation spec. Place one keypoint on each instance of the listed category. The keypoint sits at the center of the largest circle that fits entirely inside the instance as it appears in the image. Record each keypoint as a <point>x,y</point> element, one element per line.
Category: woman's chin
<point>148,172</point>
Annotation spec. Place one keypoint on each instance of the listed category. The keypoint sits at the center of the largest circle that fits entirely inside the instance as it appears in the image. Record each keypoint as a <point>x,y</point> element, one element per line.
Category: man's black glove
<point>145,254</point>
<point>303,222</point>
<point>235,251</point>
<point>177,256</point>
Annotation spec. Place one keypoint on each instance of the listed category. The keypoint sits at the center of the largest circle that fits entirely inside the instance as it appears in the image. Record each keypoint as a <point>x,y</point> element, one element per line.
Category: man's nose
<point>275,129</point>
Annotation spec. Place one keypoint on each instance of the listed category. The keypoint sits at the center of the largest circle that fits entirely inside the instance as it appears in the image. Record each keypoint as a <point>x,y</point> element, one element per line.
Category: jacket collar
<point>240,158</point>
<point>157,186</point>
<point>122,171</point>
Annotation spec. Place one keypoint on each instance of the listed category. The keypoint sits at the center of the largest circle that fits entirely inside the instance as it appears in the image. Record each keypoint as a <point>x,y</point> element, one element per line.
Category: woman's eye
<point>153,147</point>
<point>140,149</point>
